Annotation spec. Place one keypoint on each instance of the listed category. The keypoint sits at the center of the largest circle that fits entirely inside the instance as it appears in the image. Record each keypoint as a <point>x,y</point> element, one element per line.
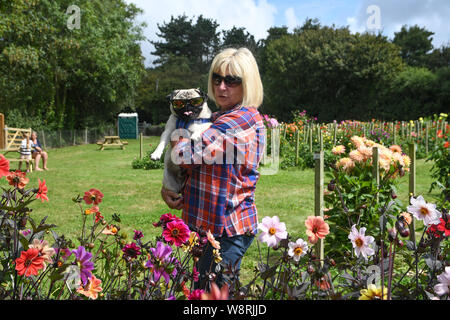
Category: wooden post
<point>141,145</point>
<point>297,141</point>
<point>60,139</point>
<point>376,167</point>
<point>412,185</point>
<point>43,140</point>
<point>394,132</point>
<point>2,132</point>
<point>85,136</point>
<point>335,134</point>
<point>318,198</point>
<point>321,139</point>
<point>310,138</point>
<point>427,128</point>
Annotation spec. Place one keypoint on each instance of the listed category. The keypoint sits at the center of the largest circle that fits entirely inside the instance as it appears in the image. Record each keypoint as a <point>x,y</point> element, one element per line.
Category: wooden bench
<point>29,163</point>
<point>112,141</point>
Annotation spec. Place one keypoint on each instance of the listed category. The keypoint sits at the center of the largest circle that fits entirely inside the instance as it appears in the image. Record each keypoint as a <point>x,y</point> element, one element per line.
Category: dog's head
<point>187,103</point>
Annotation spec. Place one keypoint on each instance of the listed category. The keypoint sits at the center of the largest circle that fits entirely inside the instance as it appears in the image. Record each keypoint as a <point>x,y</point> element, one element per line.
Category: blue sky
<point>259,15</point>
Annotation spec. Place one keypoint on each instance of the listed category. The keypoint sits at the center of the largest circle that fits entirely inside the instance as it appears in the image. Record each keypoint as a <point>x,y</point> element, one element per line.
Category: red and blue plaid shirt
<point>219,193</point>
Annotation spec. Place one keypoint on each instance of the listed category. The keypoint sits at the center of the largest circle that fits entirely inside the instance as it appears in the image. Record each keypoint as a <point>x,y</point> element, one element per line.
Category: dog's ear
<point>170,96</point>
<point>201,93</point>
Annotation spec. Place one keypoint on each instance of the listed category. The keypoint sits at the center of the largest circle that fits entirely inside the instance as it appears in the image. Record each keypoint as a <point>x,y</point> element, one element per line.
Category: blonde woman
<point>38,152</point>
<point>219,197</point>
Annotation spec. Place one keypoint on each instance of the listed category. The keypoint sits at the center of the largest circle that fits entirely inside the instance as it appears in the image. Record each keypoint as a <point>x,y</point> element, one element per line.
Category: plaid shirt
<point>220,196</point>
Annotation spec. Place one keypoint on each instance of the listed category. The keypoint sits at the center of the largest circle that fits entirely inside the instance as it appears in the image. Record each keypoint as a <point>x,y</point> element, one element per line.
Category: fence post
<point>412,185</point>
<point>394,132</point>
<point>297,142</point>
<point>376,168</point>
<point>2,131</point>
<point>141,146</point>
<point>427,128</point>
<point>43,140</point>
<point>318,198</point>
<point>85,136</point>
<point>335,134</point>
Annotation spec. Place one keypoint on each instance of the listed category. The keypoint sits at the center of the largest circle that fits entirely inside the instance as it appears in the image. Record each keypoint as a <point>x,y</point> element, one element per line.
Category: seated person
<point>38,152</point>
<point>25,148</point>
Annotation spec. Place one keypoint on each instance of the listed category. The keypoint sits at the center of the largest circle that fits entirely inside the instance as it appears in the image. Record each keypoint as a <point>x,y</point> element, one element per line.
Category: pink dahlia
<point>176,232</point>
<point>316,228</point>
<point>93,196</point>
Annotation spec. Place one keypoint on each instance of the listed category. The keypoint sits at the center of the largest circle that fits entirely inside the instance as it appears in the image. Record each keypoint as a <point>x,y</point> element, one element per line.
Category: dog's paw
<point>195,136</point>
<point>156,155</point>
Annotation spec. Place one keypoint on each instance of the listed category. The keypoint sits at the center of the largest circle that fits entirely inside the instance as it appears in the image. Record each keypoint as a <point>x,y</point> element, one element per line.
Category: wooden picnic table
<point>112,141</point>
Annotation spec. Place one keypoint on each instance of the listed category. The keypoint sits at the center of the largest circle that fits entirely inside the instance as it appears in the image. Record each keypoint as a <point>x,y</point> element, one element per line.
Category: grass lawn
<point>134,194</point>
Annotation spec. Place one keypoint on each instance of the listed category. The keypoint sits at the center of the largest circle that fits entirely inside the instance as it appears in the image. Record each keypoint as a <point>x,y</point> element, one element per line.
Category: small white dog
<point>190,111</point>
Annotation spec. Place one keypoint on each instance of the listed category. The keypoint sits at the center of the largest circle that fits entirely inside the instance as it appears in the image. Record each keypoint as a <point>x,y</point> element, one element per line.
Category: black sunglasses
<point>179,103</point>
<point>230,81</point>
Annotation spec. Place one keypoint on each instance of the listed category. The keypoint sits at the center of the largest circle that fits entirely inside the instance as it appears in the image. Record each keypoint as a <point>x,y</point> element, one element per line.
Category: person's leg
<point>37,159</point>
<point>44,160</point>
<point>20,162</point>
<point>232,250</point>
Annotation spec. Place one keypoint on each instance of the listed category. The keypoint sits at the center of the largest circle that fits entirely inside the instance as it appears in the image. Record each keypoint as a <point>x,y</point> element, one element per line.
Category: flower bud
<point>310,269</point>
<point>332,185</point>
<point>404,232</point>
<point>392,234</point>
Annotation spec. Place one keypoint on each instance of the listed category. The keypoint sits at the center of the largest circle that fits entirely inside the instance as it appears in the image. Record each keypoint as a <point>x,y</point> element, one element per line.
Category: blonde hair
<point>239,62</point>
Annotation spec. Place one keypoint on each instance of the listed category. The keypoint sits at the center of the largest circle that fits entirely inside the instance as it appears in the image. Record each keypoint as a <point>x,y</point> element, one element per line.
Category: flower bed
<point>376,259</point>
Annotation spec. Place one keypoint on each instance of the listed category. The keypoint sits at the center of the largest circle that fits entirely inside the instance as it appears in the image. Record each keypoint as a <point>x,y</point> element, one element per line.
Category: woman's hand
<point>173,200</point>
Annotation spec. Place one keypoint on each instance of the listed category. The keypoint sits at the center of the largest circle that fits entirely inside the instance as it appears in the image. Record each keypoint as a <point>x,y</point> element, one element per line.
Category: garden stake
<point>382,268</point>
<point>318,198</point>
<point>412,185</point>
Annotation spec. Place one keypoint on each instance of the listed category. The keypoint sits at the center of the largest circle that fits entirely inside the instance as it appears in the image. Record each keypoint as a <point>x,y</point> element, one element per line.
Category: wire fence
<point>64,138</point>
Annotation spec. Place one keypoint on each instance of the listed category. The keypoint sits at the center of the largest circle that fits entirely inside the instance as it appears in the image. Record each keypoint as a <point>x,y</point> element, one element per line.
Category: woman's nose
<point>222,85</point>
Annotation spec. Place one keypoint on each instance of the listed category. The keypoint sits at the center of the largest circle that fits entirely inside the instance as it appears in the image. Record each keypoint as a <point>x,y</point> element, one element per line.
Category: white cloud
<point>256,16</point>
<point>291,19</point>
<point>429,14</point>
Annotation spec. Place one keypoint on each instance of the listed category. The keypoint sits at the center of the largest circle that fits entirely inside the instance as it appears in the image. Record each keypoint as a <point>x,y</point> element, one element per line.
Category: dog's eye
<point>178,104</point>
<point>196,102</point>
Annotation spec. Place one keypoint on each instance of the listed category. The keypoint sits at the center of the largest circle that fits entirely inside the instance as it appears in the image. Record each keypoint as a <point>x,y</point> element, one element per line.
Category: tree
<point>415,42</point>
<point>238,37</point>
<point>333,74</point>
<point>160,81</point>
<point>182,38</point>
<point>69,78</point>
<point>438,58</point>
